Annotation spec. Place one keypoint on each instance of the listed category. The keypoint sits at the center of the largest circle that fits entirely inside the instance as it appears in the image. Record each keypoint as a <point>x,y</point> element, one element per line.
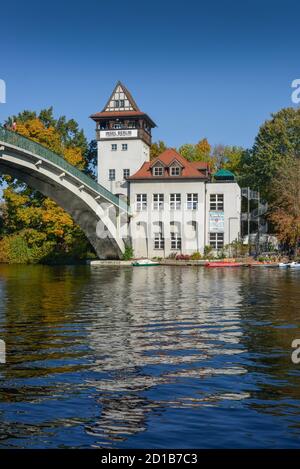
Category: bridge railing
<point>13,138</point>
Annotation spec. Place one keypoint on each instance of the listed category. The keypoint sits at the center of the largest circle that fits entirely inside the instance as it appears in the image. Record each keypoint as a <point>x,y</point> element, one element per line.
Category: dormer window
<point>158,171</point>
<point>175,171</point>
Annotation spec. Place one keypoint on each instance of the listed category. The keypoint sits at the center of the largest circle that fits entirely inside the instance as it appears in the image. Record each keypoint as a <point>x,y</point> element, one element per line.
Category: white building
<point>177,206</point>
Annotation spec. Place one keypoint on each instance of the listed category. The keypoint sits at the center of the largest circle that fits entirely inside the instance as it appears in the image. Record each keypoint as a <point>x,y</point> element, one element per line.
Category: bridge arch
<point>97,211</point>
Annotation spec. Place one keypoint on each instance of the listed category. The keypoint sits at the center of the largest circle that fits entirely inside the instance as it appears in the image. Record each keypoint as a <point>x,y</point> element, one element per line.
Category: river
<point>109,357</point>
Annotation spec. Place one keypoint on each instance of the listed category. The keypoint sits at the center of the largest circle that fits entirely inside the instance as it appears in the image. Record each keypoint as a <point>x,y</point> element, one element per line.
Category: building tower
<point>123,136</point>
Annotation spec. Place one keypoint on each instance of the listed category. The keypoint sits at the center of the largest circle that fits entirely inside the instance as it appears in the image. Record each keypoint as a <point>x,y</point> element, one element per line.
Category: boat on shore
<point>144,263</point>
<point>289,265</point>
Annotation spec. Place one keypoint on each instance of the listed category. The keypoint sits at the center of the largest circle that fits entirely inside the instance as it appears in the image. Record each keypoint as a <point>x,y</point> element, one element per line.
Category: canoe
<point>224,264</point>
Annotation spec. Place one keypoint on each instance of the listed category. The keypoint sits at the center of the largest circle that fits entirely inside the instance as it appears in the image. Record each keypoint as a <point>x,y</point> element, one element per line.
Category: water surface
<point>149,357</point>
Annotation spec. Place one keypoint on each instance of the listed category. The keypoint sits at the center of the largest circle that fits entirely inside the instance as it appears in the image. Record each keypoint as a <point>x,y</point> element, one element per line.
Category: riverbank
<point>174,262</point>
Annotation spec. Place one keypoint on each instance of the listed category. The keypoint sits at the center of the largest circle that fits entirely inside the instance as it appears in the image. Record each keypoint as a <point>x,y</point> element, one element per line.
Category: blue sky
<point>199,69</point>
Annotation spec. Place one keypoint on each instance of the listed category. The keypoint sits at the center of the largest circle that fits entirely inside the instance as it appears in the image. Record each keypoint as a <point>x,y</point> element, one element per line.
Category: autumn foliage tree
<point>34,228</point>
<point>285,208</point>
<point>157,148</point>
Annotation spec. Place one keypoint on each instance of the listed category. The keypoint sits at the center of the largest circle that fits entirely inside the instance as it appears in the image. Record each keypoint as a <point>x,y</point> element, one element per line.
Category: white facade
<point>167,224</point>
<point>176,209</point>
<point>231,207</point>
<point>117,156</point>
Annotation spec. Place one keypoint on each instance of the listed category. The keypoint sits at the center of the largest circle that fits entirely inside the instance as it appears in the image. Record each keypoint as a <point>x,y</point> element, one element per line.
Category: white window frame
<point>158,171</point>
<point>176,241</point>
<point>192,201</point>
<point>158,202</point>
<point>141,202</point>
<point>216,202</point>
<point>216,240</point>
<point>172,171</point>
<point>175,201</point>
<point>111,174</point>
<point>114,147</point>
<point>159,241</point>
<point>126,173</point>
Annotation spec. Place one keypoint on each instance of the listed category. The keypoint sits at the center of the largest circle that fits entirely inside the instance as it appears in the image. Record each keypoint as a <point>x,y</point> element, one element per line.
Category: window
<point>112,174</point>
<point>192,201</point>
<point>175,201</point>
<point>158,201</point>
<point>158,171</point>
<point>216,240</point>
<point>159,241</point>
<point>175,171</point>
<point>126,173</point>
<point>117,103</point>
<point>122,103</point>
<point>131,125</point>
<point>216,202</point>
<point>141,202</point>
<point>124,146</point>
<point>114,147</point>
<point>175,241</point>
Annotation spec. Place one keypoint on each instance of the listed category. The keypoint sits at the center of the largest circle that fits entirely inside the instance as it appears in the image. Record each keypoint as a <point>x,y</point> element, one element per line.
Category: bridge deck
<point>12,138</point>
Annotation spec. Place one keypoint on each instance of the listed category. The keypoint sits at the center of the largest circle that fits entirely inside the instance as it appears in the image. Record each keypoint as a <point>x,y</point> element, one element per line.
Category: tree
<point>34,228</point>
<point>187,151</point>
<point>91,158</point>
<point>278,140</point>
<point>285,208</point>
<point>203,150</point>
<point>157,148</point>
<point>228,157</point>
<point>200,151</point>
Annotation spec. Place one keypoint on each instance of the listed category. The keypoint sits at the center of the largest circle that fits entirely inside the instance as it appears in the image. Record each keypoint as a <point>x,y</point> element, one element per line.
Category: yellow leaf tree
<point>35,228</point>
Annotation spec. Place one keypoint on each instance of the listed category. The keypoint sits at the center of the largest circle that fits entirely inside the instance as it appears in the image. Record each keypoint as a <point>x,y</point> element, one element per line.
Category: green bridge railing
<point>24,143</point>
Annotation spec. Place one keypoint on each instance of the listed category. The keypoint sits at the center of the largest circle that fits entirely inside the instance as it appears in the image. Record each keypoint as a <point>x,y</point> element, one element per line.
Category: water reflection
<point>137,357</point>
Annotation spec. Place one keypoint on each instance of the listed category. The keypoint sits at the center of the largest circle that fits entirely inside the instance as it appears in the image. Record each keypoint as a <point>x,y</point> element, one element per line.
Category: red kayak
<point>223,264</point>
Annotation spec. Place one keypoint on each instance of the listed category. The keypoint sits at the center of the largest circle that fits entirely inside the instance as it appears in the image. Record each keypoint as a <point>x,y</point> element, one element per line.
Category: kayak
<point>224,264</point>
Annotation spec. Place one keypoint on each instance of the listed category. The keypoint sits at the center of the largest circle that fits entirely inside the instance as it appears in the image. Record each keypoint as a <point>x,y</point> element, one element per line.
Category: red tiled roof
<point>117,114</point>
<point>195,170</point>
<point>114,114</point>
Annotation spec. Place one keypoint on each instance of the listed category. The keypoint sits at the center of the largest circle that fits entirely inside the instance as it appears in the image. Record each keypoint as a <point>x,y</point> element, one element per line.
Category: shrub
<point>128,253</point>
<point>196,256</point>
<point>208,251</point>
<point>182,257</point>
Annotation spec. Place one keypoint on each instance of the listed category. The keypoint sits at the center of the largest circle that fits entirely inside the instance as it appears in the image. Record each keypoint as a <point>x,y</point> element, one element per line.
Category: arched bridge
<point>97,211</point>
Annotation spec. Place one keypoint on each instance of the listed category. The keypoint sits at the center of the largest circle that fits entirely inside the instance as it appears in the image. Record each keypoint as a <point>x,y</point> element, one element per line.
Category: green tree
<point>278,140</point>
